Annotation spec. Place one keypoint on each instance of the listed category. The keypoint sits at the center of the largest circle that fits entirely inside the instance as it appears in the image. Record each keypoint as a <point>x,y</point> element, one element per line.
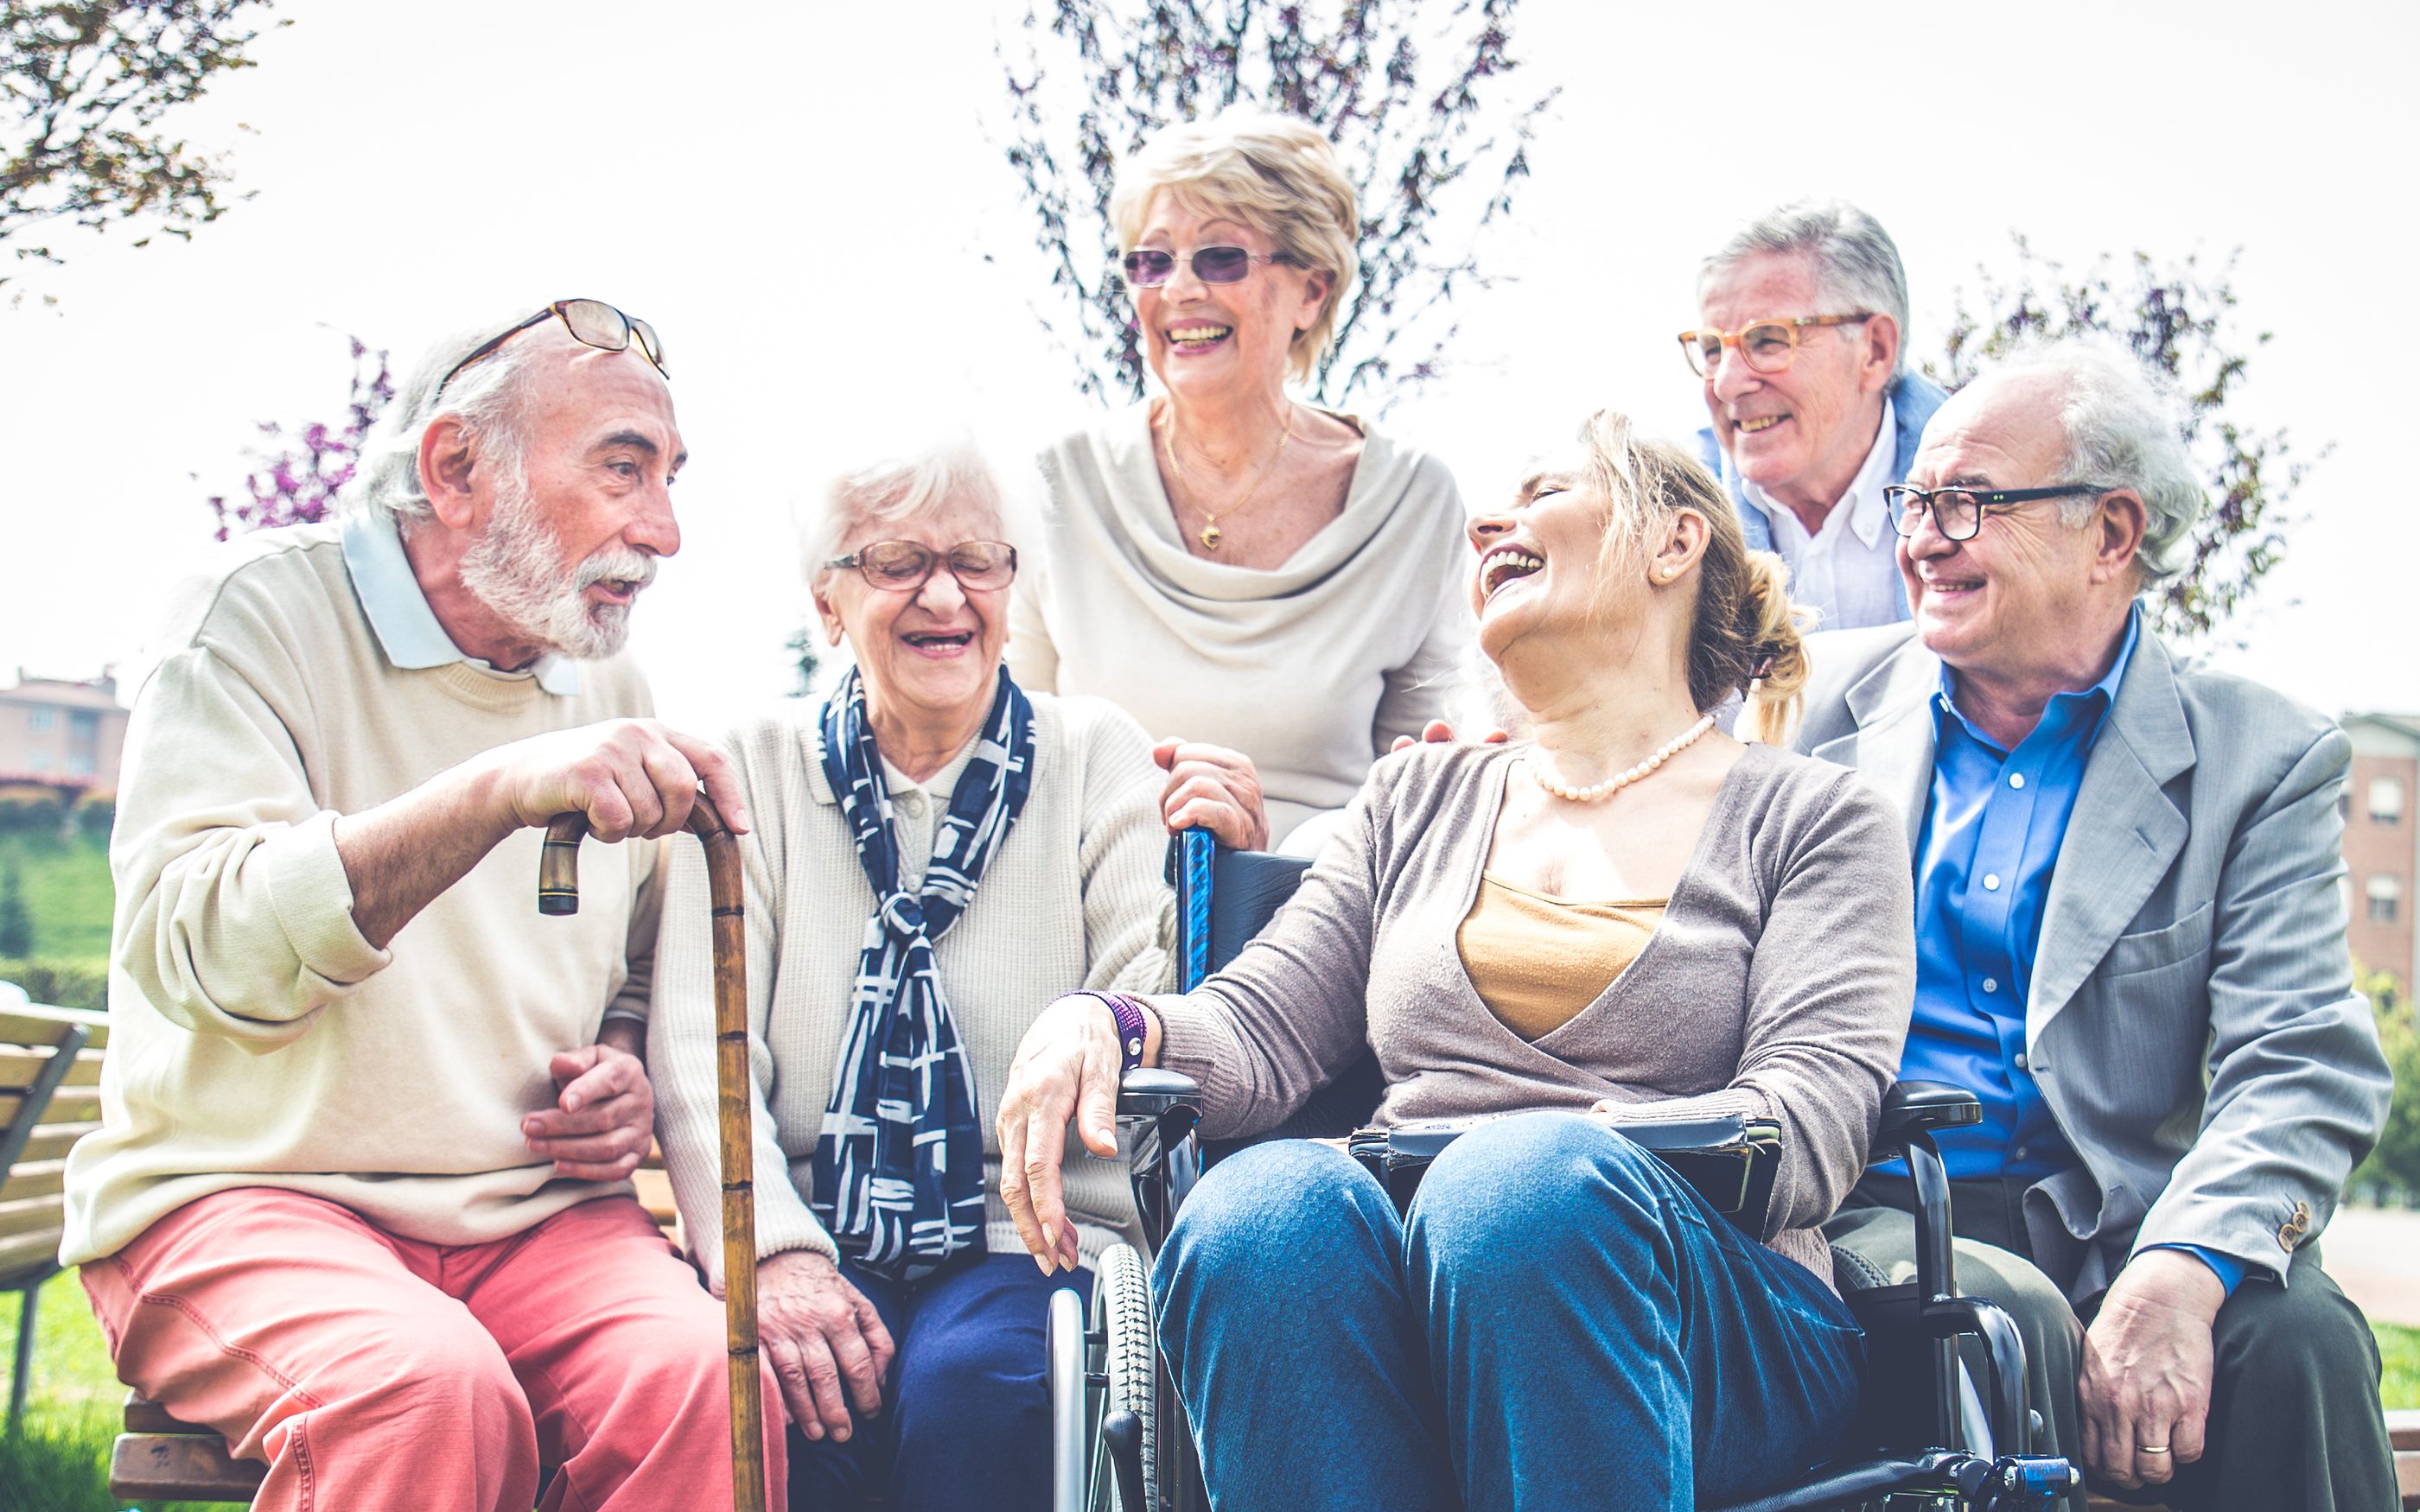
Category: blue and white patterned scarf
<point>899,1170</point>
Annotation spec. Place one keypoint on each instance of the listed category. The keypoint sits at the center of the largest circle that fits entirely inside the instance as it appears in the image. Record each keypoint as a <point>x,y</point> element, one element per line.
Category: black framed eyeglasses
<point>591,322</point>
<point>1151,267</point>
<point>1768,345</point>
<point>1958,513</point>
<point>901,566</point>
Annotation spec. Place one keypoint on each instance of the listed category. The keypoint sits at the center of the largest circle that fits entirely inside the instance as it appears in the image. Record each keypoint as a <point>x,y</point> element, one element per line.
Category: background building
<point>64,736</point>
<point>2381,843</point>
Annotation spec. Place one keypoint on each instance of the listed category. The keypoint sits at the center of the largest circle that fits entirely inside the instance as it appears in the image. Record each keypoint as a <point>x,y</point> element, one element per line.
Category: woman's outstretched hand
<point>1212,788</point>
<point>1067,1067</point>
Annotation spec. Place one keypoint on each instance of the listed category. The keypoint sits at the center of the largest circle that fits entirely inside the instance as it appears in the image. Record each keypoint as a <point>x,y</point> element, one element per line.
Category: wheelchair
<point>1925,1435</point>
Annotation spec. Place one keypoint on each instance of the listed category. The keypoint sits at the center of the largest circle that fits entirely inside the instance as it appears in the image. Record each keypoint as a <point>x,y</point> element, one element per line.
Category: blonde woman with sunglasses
<point>1247,573</point>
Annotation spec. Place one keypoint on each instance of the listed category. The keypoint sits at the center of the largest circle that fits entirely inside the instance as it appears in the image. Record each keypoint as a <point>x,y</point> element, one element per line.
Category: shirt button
<point>2022,1063</point>
<point>913,803</point>
<point>2016,780</point>
<point>1992,882</point>
<point>1991,985</point>
<point>2018,1153</point>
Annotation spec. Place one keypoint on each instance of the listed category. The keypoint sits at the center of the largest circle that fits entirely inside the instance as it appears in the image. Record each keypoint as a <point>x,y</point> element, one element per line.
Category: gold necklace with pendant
<point>1211,534</point>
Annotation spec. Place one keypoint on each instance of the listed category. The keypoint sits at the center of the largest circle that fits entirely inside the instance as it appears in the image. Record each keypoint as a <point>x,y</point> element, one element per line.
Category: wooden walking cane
<point>558,892</point>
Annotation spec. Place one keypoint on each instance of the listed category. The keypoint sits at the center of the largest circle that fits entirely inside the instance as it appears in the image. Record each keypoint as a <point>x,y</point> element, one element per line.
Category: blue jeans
<point>965,1416</point>
<point>1561,1322</point>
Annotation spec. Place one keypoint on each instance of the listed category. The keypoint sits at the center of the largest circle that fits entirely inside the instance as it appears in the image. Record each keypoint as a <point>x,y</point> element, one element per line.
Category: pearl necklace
<point>1621,779</point>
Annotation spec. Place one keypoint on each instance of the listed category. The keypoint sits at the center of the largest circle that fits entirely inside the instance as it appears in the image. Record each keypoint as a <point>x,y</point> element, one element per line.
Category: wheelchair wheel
<point>1130,1358</point>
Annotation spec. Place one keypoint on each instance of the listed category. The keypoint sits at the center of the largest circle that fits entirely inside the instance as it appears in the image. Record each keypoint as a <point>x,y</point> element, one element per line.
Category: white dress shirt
<point>1848,571</point>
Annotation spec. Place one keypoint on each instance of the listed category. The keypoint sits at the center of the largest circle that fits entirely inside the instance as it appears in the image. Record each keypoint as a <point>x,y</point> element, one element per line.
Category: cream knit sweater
<point>256,1039</point>
<point>1074,898</point>
<point>1311,669</point>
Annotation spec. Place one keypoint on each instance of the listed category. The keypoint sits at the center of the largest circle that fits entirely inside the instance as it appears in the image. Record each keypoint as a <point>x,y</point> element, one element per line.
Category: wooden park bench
<point>158,1458</point>
<point>50,1097</point>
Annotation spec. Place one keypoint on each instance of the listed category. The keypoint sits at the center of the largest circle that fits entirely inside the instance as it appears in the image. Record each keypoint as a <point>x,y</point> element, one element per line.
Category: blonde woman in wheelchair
<point>1630,913</point>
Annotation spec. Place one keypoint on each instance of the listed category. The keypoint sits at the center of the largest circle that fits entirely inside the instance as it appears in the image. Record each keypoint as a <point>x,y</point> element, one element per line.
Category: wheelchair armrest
<point>1911,1108</point>
<point>1147,1092</point>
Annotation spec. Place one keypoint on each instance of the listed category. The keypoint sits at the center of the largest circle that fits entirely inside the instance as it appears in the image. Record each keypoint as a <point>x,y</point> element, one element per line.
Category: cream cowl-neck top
<point>1310,669</point>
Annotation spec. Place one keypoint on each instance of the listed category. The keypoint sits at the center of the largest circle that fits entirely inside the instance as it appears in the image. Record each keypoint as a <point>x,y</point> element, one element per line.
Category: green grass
<point>67,891</point>
<point>2399,1347</point>
<point>60,1462</point>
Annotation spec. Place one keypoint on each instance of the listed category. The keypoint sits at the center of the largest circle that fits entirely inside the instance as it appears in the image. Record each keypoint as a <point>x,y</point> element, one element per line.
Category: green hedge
<point>60,983</point>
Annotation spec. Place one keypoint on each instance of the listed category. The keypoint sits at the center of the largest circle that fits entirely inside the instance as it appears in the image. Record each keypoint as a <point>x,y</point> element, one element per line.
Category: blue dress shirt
<point>1991,833</point>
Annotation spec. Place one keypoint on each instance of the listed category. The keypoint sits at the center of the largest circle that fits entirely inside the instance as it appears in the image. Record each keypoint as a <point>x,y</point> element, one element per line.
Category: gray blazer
<point>2192,1023</point>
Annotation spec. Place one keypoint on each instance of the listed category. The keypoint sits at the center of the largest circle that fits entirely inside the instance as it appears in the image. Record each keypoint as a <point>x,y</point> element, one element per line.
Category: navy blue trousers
<point>1561,1323</point>
<point>965,1416</point>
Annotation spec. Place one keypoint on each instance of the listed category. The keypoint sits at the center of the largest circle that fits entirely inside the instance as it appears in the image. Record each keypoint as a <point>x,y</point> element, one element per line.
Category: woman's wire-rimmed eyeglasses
<point>1764,345</point>
<point>1958,513</point>
<point>591,322</point>
<point>1151,267</point>
<point>900,565</point>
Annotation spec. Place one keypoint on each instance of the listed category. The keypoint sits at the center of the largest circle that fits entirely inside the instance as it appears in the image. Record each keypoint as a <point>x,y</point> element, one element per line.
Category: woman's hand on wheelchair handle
<point>824,1340</point>
<point>1067,1067</point>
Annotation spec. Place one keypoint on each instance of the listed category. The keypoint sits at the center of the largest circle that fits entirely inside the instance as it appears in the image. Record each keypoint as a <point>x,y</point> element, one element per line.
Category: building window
<point>2387,799</point>
<point>40,721</point>
<point>2386,897</point>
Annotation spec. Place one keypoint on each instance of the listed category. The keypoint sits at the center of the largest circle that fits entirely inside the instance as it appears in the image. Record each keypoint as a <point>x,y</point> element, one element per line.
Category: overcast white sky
<point>799,196</point>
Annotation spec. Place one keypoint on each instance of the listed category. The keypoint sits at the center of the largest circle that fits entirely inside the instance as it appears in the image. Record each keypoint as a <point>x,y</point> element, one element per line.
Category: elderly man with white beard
<point>360,1199</point>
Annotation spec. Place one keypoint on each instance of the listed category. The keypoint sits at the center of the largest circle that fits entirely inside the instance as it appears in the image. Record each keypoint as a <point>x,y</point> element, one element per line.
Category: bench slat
<point>19,1066</point>
<point>36,1024</point>
<point>26,1256</point>
<point>33,1216</point>
<point>34,1179</point>
<point>52,1141</point>
<point>69,1105</point>
<point>182,1466</point>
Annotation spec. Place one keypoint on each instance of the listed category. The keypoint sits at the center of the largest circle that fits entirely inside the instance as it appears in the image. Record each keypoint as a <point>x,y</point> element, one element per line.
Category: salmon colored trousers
<point>377,1373</point>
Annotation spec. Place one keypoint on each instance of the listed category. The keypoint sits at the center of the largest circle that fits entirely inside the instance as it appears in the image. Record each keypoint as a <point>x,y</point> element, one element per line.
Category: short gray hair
<point>1856,262</point>
<point>911,480</point>
<point>2124,428</point>
<point>490,397</point>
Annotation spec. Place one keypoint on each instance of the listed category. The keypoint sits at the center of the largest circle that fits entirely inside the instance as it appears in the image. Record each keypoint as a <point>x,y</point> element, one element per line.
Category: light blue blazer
<point>2192,1023</point>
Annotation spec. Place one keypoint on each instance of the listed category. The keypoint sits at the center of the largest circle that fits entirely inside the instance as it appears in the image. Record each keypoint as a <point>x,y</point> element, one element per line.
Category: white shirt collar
<point>1867,511</point>
<point>407,628</point>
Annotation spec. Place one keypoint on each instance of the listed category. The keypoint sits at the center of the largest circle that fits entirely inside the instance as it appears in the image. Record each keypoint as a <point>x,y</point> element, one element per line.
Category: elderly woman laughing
<point>1239,570</point>
<point>937,854</point>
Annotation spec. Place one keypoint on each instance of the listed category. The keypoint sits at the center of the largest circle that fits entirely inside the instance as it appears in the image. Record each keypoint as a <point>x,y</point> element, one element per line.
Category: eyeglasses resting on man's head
<point>900,565</point>
<point>1764,345</point>
<point>1151,267</point>
<point>591,322</point>
<point>1958,513</point>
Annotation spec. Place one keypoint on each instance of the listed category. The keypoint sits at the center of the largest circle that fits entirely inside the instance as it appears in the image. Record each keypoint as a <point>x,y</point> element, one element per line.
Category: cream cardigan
<point>255,1037</point>
<point>1311,670</point>
<point>1073,898</point>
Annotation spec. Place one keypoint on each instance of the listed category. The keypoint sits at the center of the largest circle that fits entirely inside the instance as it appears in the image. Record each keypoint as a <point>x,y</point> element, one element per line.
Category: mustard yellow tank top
<point>1537,960</point>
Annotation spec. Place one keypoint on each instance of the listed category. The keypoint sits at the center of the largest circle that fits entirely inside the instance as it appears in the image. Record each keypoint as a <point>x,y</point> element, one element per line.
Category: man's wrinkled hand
<point>824,1340</point>
<point>630,777</point>
<point>2143,1394</point>
<point>603,1118</point>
